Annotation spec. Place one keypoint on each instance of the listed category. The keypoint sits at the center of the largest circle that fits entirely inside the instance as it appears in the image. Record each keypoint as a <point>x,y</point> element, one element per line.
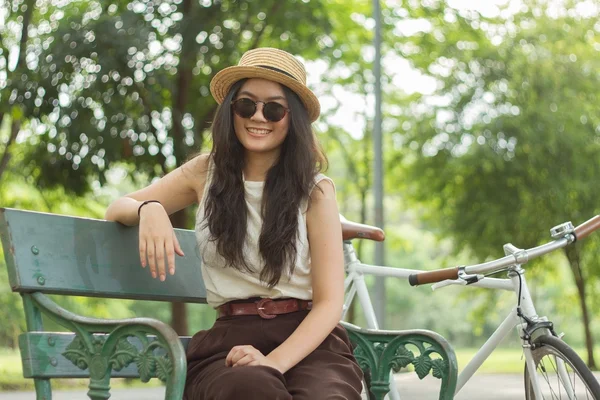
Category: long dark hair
<point>287,186</point>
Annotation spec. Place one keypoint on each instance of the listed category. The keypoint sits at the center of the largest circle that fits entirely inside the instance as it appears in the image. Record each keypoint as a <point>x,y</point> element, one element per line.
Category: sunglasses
<point>246,108</point>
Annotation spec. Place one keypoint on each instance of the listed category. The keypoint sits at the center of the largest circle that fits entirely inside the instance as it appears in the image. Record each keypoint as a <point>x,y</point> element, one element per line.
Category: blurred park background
<point>491,134</point>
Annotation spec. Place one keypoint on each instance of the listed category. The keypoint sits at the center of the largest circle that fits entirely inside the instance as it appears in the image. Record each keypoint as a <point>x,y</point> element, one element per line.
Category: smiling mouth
<point>258,131</point>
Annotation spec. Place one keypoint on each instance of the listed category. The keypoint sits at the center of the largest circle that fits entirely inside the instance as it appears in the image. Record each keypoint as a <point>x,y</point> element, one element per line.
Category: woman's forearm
<point>311,332</point>
<point>123,210</point>
<point>174,191</point>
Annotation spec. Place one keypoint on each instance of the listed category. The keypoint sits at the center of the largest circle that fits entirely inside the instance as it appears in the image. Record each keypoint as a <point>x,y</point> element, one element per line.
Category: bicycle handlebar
<point>433,276</point>
<point>520,257</point>
<point>587,227</point>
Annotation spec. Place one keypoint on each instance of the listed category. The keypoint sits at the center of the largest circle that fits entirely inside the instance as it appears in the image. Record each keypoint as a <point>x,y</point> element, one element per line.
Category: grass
<point>502,360</point>
<point>11,376</point>
<point>505,360</point>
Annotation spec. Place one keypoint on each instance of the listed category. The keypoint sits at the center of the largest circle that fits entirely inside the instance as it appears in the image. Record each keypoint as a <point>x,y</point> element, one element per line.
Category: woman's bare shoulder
<point>198,165</point>
<point>196,172</point>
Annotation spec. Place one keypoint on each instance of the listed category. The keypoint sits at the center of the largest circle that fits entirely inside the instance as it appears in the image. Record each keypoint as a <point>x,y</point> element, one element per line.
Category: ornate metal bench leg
<point>176,380</point>
<point>449,375</point>
<point>378,352</point>
<point>33,317</point>
<point>113,351</point>
<point>379,390</point>
<point>43,390</point>
<point>169,368</point>
<point>101,354</point>
<point>99,388</point>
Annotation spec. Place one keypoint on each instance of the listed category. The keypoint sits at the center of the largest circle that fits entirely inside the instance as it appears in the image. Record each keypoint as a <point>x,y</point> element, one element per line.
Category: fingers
<point>245,360</point>
<point>177,246</point>
<point>237,353</point>
<point>153,253</point>
<point>234,355</point>
<point>160,258</point>
<point>151,258</point>
<point>169,251</point>
<point>230,355</point>
<point>158,245</point>
<point>143,252</point>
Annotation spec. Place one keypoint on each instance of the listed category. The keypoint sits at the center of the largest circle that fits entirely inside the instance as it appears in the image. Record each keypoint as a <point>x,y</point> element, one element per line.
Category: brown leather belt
<point>265,308</point>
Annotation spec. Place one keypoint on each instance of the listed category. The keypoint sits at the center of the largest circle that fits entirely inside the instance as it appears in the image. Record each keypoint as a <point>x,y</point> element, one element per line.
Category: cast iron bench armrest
<point>102,353</point>
<point>380,351</point>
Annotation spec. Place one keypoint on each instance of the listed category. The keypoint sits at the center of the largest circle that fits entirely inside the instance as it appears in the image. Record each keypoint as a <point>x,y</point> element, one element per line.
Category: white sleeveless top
<point>224,283</point>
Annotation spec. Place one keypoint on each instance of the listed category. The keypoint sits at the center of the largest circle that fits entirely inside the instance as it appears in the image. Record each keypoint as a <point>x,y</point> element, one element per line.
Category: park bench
<point>55,254</point>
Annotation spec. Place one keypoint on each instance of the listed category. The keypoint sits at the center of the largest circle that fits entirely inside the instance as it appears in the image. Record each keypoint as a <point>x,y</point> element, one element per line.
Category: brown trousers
<point>330,372</point>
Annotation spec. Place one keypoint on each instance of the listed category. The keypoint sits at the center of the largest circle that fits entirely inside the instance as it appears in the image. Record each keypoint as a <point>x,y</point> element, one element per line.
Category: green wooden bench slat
<point>69,255</point>
<point>42,356</point>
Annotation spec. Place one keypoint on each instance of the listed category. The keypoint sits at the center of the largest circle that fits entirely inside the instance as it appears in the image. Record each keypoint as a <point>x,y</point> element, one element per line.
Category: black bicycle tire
<point>568,354</point>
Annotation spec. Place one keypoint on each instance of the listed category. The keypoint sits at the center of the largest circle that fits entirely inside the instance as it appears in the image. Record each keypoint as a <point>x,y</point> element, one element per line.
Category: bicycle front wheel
<point>562,374</point>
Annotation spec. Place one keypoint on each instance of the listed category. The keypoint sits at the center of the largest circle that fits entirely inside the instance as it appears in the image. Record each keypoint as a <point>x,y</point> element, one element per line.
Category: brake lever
<point>463,280</point>
<point>469,279</point>
<point>448,282</point>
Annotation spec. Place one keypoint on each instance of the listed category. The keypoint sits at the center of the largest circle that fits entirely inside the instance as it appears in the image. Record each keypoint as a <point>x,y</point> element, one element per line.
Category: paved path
<point>483,386</point>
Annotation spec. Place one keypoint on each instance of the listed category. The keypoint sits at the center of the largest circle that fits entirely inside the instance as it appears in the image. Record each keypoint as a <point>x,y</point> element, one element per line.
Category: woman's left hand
<point>248,355</point>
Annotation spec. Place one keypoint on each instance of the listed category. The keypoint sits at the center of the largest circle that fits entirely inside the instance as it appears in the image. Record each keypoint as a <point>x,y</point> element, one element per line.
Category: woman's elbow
<point>110,213</point>
<point>120,211</point>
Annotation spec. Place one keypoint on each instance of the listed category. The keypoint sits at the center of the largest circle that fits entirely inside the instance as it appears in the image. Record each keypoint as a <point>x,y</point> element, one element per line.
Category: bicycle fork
<point>528,348</point>
<point>532,323</point>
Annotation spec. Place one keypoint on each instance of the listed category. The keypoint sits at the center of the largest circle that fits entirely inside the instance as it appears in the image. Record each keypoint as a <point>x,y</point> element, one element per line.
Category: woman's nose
<point>258,114</point>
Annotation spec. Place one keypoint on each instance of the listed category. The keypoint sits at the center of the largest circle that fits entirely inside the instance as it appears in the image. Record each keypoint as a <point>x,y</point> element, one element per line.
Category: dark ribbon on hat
<point>278,70</point>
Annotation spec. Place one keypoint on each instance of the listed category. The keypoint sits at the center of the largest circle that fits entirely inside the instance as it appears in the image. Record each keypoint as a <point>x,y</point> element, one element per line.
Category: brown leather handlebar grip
<point>587,227</point>
<point>433,276</point>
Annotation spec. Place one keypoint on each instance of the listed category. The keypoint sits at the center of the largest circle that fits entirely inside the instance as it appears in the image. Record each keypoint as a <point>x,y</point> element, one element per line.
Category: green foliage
<point>11,312</point>
<point>110,82</point>
<point>507,144</point>
<point>513,140</point>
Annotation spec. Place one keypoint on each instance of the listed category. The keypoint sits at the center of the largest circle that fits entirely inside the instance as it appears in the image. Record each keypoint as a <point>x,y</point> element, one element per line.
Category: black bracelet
<point>144,203</point>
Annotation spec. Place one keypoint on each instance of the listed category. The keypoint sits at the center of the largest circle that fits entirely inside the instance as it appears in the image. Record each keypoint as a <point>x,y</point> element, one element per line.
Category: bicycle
<point>543,349</point>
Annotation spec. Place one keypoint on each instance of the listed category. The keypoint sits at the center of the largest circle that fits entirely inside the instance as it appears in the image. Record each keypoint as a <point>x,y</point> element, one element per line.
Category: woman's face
<point>257,134</point>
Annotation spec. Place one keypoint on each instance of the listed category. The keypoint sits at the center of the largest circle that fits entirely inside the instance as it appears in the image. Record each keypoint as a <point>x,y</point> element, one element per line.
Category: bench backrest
<point>67,255</point>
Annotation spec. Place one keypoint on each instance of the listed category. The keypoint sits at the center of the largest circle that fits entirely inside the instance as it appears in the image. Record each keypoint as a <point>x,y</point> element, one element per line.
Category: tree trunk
<point>574,256</point>
<point>25,33</point>
<point>15,126</point>
<point>179,320</point>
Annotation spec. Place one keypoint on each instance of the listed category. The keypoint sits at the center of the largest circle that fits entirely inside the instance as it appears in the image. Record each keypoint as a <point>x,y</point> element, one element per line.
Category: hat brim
<point>224,79</point>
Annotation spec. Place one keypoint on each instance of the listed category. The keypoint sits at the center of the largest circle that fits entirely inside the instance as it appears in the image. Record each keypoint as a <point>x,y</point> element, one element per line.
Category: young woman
<point>270,237</point>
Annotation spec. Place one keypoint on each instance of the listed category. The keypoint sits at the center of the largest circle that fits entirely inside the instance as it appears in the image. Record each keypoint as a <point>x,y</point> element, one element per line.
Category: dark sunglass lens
<point>245,108</point>
<point>274,112</point>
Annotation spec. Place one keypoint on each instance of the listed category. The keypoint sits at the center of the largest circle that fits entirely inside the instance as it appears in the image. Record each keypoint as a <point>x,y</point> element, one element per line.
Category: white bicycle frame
<point>355,285</point>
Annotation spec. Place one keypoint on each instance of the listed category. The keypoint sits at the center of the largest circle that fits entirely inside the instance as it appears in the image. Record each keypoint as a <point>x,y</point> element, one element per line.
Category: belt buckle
<point>260,306</point>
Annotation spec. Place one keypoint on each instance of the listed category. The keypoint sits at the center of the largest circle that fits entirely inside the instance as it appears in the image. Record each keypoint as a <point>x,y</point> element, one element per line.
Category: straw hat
<point>272,64</point>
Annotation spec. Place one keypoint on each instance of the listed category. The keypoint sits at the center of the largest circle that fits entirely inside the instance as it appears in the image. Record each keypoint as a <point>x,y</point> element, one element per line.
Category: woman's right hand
<point>177,190</point>
<point>157,239</point>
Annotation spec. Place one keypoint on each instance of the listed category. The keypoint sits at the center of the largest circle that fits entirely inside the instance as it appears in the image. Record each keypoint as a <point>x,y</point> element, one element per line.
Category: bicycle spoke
<point>559,378</point>
<point>551,361</point>
<point>544,374</point>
